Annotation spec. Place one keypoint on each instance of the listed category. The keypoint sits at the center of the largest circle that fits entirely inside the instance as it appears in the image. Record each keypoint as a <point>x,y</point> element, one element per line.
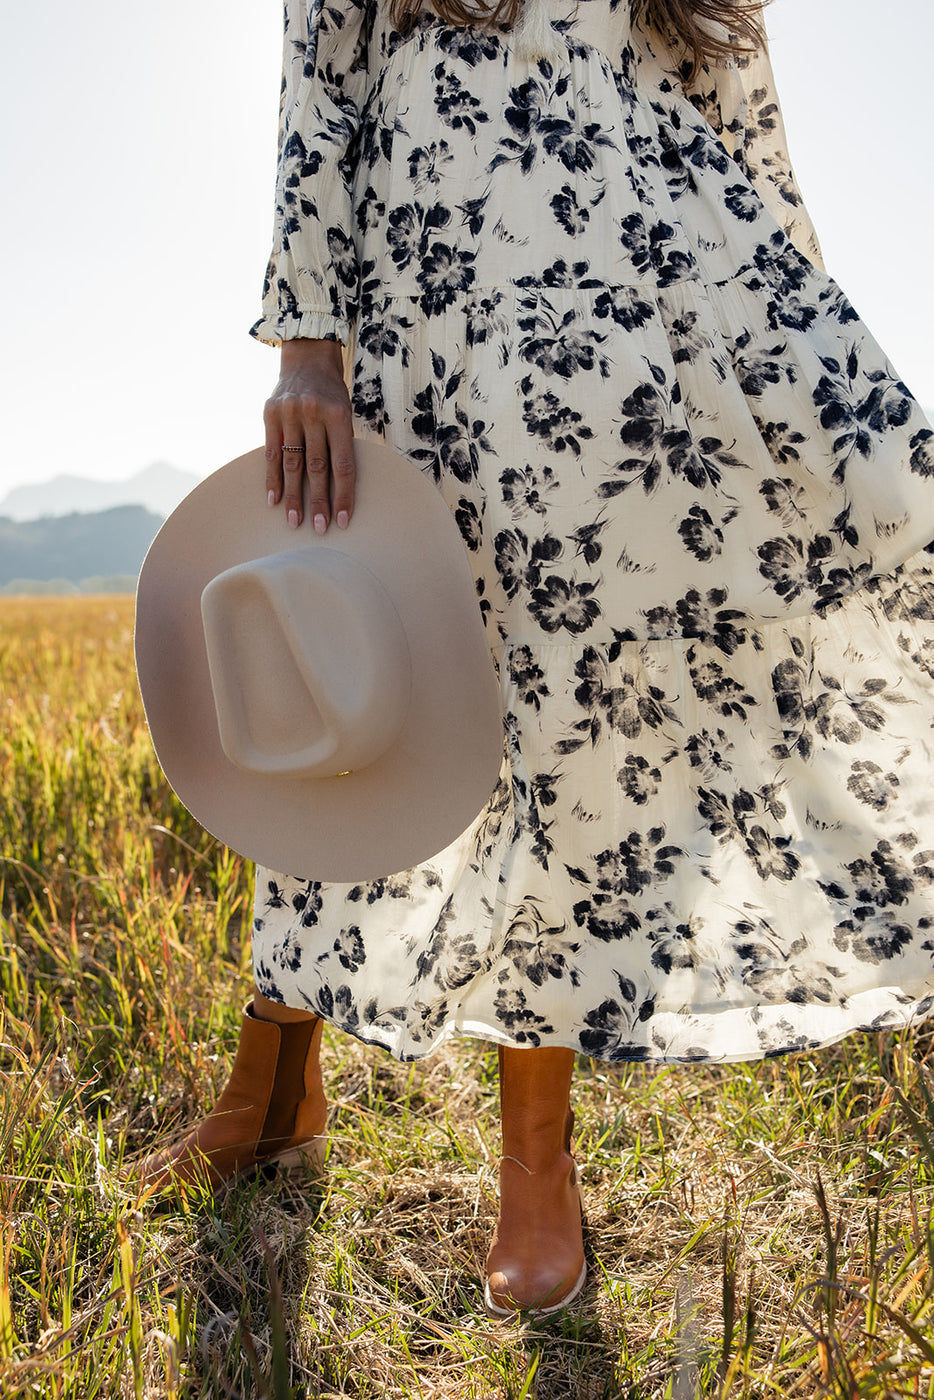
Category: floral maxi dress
<point>586,300</point>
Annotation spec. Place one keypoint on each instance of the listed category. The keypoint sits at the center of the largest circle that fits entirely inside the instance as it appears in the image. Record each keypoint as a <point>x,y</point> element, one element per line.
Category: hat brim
<point>428,787</point>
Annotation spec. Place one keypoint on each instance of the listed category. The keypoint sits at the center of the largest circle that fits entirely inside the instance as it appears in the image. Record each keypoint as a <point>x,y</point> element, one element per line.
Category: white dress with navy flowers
<point>696,498</point>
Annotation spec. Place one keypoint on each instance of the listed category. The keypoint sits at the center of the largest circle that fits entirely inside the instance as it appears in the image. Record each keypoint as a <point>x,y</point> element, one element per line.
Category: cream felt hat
<point>325,705</point>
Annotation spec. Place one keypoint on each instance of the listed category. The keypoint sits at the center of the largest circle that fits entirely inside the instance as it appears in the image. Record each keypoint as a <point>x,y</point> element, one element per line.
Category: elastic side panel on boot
<point>289,1087</point>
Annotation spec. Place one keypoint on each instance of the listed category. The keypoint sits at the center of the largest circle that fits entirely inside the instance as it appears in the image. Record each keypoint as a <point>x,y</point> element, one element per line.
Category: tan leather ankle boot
<point>273,1109</point>
<point>536,1261</point>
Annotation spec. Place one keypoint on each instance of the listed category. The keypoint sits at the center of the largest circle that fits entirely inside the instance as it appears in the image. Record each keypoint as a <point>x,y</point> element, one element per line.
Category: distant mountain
<point>76,547</point>
<point>159,488</point>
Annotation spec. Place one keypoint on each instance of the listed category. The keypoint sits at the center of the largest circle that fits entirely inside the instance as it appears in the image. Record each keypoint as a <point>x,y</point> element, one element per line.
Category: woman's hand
<point>310,409</point>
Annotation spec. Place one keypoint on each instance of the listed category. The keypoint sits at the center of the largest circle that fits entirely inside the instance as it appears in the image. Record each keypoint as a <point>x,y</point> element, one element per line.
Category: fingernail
<point>271,498</point>
<point>320,524</point>
<point>343,520</point>
<point>293,519</point>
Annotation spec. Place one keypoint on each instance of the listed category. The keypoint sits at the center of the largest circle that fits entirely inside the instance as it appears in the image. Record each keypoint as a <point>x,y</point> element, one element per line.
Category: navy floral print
<point>586,299</point>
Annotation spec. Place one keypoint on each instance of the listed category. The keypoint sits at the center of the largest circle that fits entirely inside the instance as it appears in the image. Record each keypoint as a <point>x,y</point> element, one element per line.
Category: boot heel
<point>309,1156</point>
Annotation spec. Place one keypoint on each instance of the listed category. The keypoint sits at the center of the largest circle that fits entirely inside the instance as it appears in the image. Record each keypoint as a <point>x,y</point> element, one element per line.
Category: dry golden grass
<point>753,1231</point>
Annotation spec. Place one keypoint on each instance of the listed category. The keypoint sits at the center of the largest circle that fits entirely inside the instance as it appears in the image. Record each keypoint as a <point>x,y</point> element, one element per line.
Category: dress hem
<point>860,1013</point>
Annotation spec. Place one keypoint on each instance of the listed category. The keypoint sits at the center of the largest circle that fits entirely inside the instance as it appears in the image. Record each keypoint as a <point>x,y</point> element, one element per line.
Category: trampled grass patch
<point>753,1231</point>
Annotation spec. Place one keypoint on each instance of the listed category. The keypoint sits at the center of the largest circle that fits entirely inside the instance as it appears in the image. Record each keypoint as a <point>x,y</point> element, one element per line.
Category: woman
<point>574,281</point>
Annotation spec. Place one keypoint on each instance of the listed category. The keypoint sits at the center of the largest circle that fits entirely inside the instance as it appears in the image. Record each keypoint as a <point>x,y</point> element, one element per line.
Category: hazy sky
<point>137,147</point>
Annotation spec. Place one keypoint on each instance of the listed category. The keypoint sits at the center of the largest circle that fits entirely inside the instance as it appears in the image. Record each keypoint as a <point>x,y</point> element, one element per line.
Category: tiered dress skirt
<point>697,500</point>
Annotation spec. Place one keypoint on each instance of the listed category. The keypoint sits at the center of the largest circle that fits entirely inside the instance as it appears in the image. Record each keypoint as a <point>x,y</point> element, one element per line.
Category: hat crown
<point>309,664</point>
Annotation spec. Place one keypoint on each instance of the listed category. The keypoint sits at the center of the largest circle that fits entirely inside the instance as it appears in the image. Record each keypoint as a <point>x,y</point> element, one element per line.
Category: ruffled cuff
<point>301,325</point>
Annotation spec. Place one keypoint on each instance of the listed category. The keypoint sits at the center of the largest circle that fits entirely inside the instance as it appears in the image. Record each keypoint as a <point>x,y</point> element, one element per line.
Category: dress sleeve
<point>311,279</point>
<point>737,96</point>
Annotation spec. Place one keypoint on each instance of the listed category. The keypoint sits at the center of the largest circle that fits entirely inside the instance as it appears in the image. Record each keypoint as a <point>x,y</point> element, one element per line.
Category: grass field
<point>753,1231</point>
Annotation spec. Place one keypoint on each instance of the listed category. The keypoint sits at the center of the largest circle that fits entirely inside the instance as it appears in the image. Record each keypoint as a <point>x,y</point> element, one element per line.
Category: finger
<point>317,469</point>
<point>293,468</point>
<point>273,424</point>
<point>343,471</point>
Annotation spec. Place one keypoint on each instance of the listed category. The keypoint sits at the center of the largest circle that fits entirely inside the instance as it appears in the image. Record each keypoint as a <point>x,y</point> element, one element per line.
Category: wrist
<point>295,352</point>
